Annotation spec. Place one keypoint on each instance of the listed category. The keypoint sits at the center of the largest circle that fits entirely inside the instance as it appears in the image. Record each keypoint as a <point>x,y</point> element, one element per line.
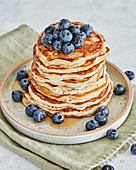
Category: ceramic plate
<point>71,131</point>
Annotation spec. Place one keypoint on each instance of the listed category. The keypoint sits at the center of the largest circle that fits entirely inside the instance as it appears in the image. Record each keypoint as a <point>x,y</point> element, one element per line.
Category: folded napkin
<point>15,47</point>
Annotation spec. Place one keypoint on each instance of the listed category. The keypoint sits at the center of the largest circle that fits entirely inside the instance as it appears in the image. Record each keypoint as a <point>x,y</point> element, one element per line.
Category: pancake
<point>71,97</point>
<point>75,84</point>
<point>41,78</point>
<point>72,112</point>
<point>62,90</point>
<point>93,45</point>
<point>75,75</point>
<point>86,66</point>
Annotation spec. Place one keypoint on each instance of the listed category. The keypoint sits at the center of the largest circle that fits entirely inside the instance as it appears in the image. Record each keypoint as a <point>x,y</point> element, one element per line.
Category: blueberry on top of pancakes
<point>49,29</point>
<point>66,32</point>
<point>64,24</point>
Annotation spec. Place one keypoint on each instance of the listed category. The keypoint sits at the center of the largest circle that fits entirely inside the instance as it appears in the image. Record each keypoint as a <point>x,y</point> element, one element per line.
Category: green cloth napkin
<point>15,47</point>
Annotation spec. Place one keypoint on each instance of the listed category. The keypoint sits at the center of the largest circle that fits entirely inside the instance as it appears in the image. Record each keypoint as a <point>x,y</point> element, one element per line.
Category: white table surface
<point>115,19</point>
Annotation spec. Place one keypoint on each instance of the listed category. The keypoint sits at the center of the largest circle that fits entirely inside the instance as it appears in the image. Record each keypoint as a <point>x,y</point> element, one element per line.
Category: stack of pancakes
<point>74,84</point>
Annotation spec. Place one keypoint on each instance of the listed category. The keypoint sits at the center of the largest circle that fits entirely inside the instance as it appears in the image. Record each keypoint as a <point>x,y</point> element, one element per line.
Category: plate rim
<point>127,107</point>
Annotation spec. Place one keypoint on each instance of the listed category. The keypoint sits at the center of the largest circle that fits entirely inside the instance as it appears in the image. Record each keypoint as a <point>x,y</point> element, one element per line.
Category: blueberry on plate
<point>22,74</point>
<point>112,134</point>
<point>24,83</point>
<point>39,115</point>
<point>68,48</point>
<point>56,33</point>
<point>78,42</point>
<point>58,118</point>
<point>49,29</point>
<point>74,29</point>
<point>101,118</point>
<point>133,149</point>
<point>82,35</point>
<point>130,74</point>
<point>66,35</point>
<point>29,110</point>
<point>57,45</point>
<point>91,125</point>
<point>87,29</point>
<point>119,89</point>
<point>17,95</point>
<point>64,24</point>
<point>107,167</point>
<point>103,109</point>
<point>47,39</point>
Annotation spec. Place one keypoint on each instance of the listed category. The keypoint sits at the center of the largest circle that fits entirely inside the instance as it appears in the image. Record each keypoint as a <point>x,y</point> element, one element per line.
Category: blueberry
<point>87,29</point>
<point>30,110</point>
<point>47,39</point>
<point>112,134</point>
<point>57,45</point>
<point>66,35</point>
<point>39,115</point>
<point>64,24</point>
<point>58,118</point>
<point>56,33</point>
<point>24,83</point>
<point>107,167</point>
<point>78,42</point>
<point>49,29</point>
<point>91,125</point>
<point>130,74</point>
<point>82,35</point>
<point>17,95</point>
<point>74,29</point>
<point>22,74</point>
<point>119,89</point>
<point>101,118</point>
<point>68,48</point>
<point>103,109</point>
<point>133,149</point>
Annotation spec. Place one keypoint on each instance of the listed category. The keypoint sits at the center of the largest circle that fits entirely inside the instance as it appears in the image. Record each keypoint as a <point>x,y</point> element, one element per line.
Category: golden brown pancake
<point>68,111</point>
<point>93,45</point>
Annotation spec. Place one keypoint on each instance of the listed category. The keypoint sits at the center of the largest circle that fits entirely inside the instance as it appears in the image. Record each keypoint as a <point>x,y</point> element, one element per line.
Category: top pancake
<point>93,45</point>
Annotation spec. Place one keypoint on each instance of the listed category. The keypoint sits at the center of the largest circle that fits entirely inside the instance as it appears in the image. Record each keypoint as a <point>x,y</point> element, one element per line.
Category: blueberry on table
<point>58,118</point>
<point>103,109</point>
<point>64,24</point>
<point>74,29</point>
<point>17,95</point>
<point>49,29</point>
<point>112,134</point>
<point>133,149</point>
<point>87,29</point>
<point>56,33</point>
<point>39,115</point>
<point>119,89</point>
<point>68,48</point>
<point>47,39</point>
<point>78,42</point>
<point>30,110</point>
<point>66,35</point>
<point>24,83</point>
<point>101,118</point>
<point>91,125</point>
<point>107,167</point>
<point>130,74</point>
<point>22,74</point>
<point>57,45</point>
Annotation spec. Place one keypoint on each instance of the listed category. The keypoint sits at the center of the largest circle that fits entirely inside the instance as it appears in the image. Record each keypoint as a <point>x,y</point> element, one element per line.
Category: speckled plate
<point>72,131</point>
